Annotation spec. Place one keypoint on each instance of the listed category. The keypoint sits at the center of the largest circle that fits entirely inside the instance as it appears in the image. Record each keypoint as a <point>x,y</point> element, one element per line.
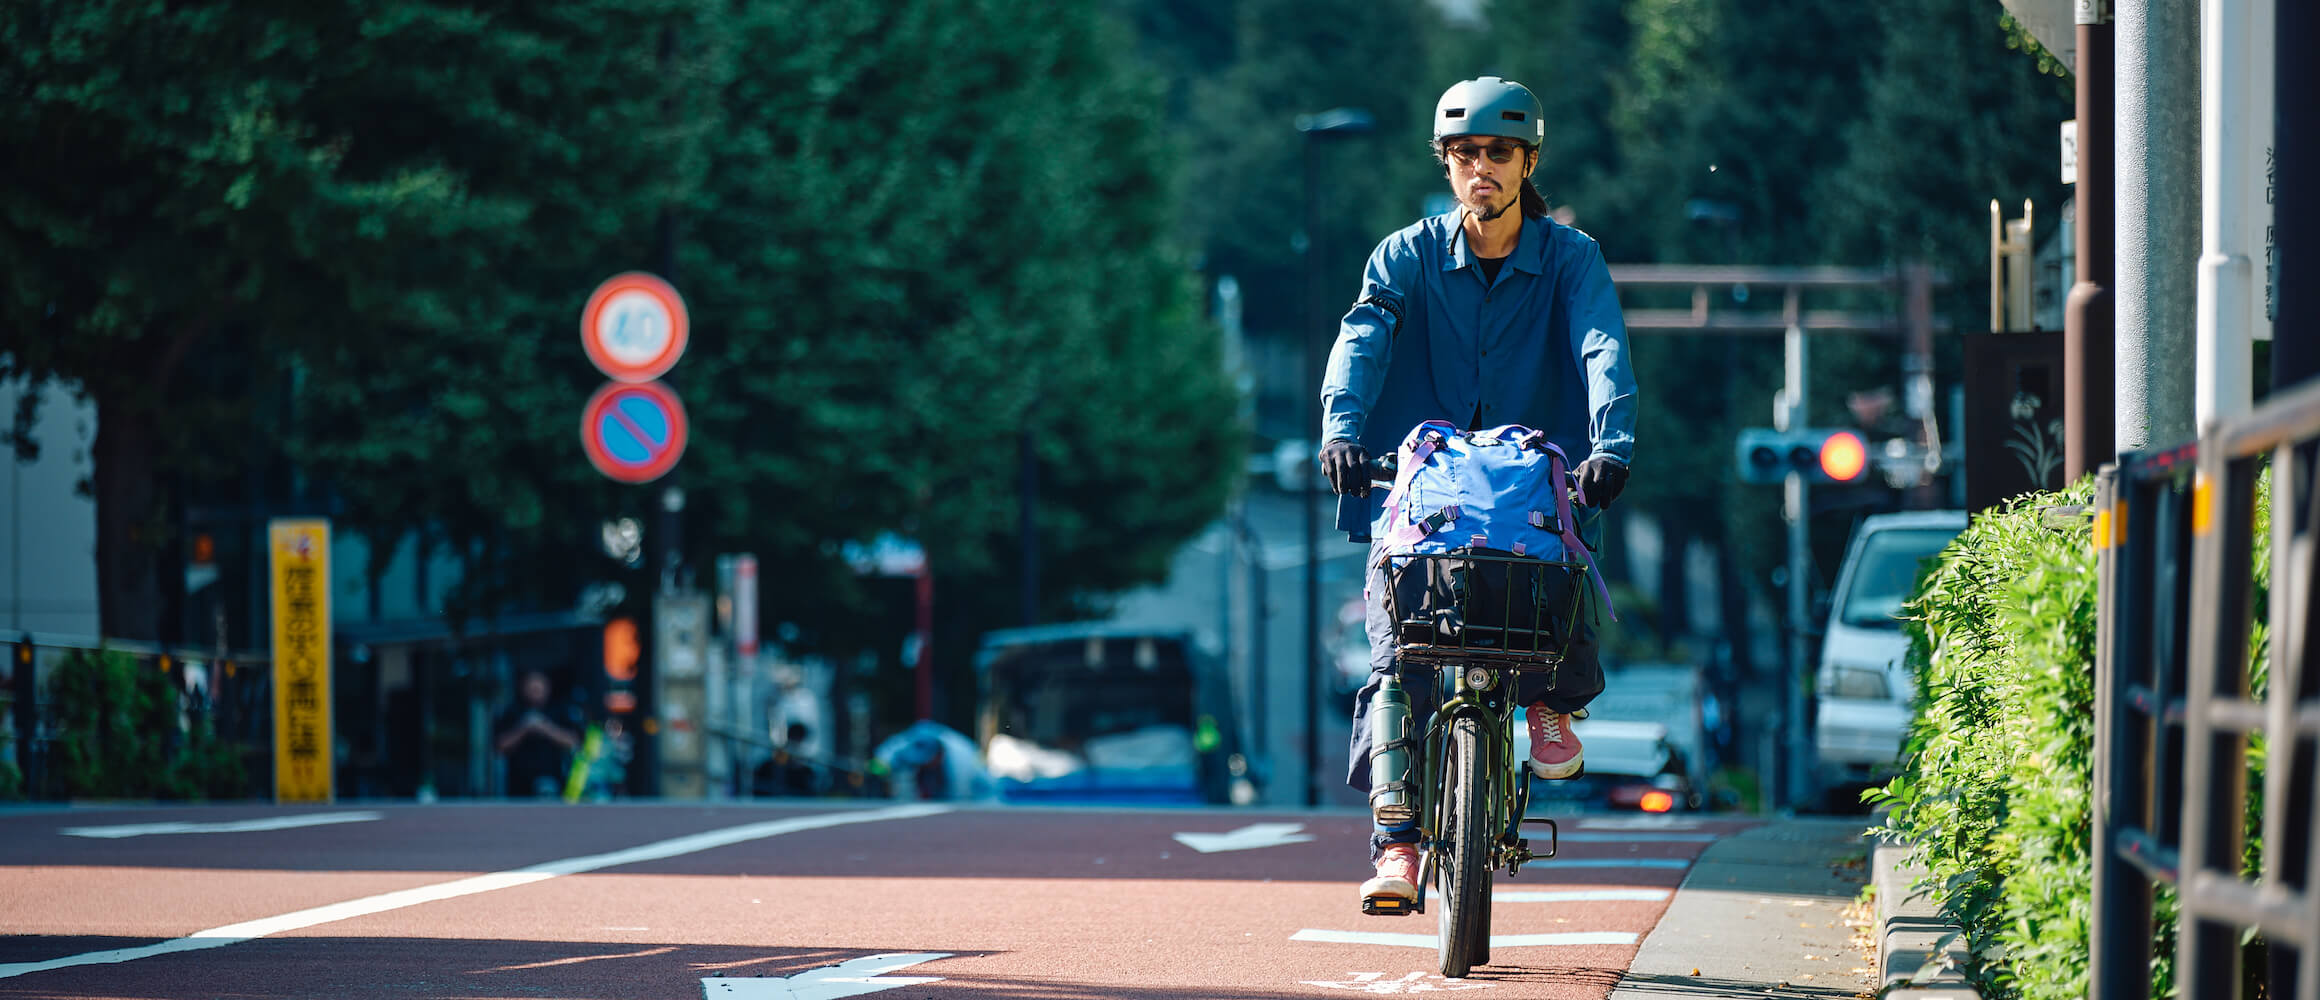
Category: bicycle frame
<point>1509,795</point>
<point>1498,655</point>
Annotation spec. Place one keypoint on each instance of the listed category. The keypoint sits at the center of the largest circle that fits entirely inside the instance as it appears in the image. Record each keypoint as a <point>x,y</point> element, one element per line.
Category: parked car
<point>1863,691</point>
<point>1674,695</point>
<point>1631,765</point>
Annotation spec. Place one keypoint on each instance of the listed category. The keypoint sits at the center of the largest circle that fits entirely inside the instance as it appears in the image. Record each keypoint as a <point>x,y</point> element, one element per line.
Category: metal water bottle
<point>1391,802</point>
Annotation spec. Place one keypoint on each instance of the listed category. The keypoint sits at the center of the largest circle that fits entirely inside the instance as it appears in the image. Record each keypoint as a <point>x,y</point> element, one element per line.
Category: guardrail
<point>2174,717</point>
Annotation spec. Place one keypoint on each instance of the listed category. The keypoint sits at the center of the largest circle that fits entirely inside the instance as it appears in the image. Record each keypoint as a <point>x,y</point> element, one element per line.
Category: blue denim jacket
<point>1544,346</point>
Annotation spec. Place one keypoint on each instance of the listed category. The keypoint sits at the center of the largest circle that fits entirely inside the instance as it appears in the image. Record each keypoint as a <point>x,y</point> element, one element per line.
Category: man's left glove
<point>1601,480</point>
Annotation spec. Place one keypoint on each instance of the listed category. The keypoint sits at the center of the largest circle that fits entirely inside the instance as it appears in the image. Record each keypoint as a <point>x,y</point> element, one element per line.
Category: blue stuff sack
<point>1503,489</point>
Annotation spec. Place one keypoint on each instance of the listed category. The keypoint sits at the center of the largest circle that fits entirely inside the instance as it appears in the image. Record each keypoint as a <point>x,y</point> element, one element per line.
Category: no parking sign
<point>633,433</point>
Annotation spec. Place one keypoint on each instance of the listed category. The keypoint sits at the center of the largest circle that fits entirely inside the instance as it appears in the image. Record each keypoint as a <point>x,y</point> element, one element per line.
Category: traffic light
<point>1824,455</point>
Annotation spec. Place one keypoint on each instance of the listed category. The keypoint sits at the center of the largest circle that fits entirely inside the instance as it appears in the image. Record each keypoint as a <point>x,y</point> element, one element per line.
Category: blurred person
<point>929,760</point>
<point>537,737</point>
<point>1493,313</point>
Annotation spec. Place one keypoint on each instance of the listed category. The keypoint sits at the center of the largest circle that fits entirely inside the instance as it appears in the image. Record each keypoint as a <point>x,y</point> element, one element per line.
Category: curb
<point>1910,931</point>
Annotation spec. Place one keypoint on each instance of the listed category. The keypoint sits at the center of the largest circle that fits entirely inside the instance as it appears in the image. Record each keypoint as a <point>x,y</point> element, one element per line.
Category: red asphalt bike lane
<point>1047,903</point>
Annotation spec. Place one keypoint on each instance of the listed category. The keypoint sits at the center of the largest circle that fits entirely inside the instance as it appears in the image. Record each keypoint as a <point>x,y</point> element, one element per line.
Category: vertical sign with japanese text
<point>301,573</point>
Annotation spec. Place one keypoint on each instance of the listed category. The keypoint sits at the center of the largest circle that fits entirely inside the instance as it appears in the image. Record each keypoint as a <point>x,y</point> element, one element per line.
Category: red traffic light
<point>1844,456</point>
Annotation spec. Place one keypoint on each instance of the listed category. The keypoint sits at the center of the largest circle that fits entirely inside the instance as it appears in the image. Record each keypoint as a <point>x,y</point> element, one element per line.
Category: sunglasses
<point>1499,152</point>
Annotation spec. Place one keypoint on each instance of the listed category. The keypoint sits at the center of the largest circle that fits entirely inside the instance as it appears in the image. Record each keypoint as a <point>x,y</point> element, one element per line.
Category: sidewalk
<point>1765,914</point>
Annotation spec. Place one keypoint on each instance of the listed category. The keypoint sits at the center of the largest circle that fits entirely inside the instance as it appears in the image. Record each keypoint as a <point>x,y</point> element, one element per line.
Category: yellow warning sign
<point>301,560</point>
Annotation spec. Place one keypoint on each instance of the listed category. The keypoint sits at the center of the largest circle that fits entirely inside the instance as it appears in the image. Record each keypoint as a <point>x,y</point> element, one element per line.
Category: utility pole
<point>1790,415</point>
<point>1337,121</point>
<point>1027,521</point>
<point>2295,210</point>
<point>2087,347</point>
<point>2235,111</point>
<point>2156,153</point>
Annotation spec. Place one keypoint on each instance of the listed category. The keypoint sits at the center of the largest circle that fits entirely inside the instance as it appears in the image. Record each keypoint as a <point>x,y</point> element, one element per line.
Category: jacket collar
<point>1530,249</point>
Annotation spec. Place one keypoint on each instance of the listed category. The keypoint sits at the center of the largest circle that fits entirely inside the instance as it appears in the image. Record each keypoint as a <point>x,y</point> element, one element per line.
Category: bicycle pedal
<point>1388,906</point>
<point>1554,835</point>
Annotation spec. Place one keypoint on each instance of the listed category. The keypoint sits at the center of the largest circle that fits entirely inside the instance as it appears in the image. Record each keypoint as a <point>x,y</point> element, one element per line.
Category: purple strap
<point>1570,534</point>
<point>1423,441</point>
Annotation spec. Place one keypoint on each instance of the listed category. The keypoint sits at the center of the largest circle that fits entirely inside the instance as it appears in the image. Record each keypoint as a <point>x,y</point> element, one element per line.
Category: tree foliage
<point>929,233</point>
<point>283,198</point>
<point>910,234</point>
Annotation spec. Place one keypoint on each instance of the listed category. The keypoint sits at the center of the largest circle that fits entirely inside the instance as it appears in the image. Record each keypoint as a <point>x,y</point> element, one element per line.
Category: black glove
<point>1601,480</point>
<point>1345,465</point>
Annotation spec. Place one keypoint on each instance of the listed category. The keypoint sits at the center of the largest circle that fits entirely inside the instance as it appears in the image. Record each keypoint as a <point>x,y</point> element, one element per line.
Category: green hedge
<point>120,734</point>
<point>1995,789</point>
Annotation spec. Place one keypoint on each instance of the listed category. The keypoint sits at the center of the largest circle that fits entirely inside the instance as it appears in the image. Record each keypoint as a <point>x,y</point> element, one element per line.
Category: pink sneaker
<point>1394,890</point>
<point>1555,751</point>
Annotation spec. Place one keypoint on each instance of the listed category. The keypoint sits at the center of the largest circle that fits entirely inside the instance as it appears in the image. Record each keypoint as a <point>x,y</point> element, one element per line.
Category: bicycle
<point>1478,641</point>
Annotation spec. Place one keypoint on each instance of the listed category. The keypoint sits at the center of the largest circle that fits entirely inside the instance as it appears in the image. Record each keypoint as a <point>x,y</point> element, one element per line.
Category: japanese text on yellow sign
<point>301,550</point>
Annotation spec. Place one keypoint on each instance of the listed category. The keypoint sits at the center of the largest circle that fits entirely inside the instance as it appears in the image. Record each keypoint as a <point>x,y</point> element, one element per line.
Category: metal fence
<point>2175,718</point>
<point>232,695</point>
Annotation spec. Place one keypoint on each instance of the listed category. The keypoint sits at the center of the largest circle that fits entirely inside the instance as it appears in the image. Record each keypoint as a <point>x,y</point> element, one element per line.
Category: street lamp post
<point>1336,121</point>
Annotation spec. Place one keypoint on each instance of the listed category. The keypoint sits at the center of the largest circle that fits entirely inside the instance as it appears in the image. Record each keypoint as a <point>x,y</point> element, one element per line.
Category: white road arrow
<point>1247,838</point>
<point>847,979</point>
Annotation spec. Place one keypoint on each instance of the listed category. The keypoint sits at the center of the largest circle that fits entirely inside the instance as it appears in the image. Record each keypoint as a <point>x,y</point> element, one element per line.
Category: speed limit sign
<point>634,327</point>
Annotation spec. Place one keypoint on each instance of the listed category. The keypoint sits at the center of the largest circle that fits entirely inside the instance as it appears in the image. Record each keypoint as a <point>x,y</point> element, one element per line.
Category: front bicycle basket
<point>1483,604</point>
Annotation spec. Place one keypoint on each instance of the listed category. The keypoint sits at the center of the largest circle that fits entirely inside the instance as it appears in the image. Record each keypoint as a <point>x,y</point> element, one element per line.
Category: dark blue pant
<point>1573,686</point>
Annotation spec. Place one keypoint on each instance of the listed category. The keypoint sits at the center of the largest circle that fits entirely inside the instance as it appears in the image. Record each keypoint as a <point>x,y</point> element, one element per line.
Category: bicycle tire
<point>1463,878</point>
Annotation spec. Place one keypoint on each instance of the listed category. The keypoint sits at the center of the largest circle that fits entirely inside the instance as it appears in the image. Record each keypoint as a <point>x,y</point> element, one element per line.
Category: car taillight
<point>1657,802</point>
<point>1629,796</point>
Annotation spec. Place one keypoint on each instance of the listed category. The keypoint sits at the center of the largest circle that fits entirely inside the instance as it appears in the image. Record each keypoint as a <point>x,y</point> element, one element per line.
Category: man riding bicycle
<point>1490,314</point>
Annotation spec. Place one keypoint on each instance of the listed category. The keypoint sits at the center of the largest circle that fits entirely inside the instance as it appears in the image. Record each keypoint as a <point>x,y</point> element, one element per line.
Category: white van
<point>1863,691</point>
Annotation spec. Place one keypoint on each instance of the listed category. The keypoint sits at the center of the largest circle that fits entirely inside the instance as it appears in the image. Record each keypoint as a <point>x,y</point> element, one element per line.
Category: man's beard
<point>1493,214</point>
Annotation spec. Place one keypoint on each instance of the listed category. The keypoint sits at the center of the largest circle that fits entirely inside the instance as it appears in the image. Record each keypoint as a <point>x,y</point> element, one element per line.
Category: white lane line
<point>233,826</point>
<point>1430,941</point>
<point>1640,823</point>
<point>1581,896</point>
<point>1667,863</point>
<point>1640,838</point>
<point>218,937</point>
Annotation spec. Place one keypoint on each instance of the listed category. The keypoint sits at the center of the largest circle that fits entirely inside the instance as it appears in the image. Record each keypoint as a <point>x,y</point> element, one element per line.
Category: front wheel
<point>1462,879</point>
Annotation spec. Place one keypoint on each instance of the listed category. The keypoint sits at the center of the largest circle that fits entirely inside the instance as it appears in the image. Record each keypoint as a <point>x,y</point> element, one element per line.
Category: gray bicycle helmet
<point>1490,106</point>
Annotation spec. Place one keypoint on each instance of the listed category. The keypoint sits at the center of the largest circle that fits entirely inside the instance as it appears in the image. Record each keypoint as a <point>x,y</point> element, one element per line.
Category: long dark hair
<point>1533,205</point>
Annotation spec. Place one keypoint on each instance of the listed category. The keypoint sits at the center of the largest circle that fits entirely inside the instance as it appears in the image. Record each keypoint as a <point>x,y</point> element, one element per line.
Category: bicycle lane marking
<point>218,937</point>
